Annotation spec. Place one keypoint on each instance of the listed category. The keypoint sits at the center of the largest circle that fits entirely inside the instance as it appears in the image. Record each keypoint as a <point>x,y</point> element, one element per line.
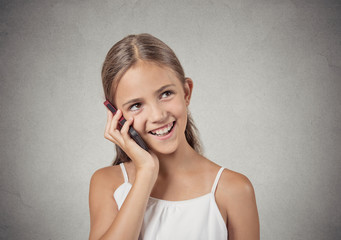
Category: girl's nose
<point>157,114</point>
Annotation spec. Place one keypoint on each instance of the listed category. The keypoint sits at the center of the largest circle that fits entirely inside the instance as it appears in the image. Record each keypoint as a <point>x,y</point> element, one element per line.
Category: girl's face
<point>157,100</point>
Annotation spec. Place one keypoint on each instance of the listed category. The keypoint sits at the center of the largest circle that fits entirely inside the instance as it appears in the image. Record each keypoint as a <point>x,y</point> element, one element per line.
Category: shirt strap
<point>216,180</point>
<point>125,175</point>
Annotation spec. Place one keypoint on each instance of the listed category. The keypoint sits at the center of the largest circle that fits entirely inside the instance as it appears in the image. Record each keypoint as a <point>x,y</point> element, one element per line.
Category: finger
<point>114,125</point>
<point>125,129</point>
<point>111,133</point>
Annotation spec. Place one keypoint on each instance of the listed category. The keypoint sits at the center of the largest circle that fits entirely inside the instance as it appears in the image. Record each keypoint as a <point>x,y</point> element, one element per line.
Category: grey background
<point>266,101</point>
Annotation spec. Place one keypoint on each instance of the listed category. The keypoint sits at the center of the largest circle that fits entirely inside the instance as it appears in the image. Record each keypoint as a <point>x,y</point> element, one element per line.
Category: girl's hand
<point>140,157</point>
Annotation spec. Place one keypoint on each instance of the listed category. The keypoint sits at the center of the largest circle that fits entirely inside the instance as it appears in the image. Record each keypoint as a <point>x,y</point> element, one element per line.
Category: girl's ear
<point>188,87</point>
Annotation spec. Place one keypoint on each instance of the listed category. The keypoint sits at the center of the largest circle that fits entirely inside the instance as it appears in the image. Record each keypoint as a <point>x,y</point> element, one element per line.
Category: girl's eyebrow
<point>164,87</point>
<point>156,92</point>
<point>132,101</point>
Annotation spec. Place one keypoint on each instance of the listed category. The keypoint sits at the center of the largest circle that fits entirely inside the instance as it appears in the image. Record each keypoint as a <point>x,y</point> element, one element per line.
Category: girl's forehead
<point>144,78</point>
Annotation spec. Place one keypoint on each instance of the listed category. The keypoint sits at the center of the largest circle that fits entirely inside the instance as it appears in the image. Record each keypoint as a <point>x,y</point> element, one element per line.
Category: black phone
<point>132,132</point>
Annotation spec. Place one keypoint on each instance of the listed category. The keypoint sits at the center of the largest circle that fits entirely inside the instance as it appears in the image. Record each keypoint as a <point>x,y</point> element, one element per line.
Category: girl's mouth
<point>163,131</point>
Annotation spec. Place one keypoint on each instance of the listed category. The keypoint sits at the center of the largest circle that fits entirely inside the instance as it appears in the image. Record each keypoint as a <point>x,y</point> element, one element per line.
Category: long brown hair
<point>123,55</point>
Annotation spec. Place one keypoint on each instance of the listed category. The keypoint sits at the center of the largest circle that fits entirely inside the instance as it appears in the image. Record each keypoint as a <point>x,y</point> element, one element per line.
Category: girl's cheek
<point>138,123</point>
<point>178,107</point>
<point>129,114</point>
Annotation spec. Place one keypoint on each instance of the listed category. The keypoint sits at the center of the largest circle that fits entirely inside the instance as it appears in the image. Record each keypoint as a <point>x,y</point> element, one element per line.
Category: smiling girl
<point>170,191</point>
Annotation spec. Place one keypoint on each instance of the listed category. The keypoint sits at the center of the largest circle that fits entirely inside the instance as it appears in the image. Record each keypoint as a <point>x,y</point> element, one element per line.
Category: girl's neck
<point>182,160</point>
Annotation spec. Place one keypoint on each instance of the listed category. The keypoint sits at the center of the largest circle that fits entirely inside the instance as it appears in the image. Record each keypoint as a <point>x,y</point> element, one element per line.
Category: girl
<point>170,191</point>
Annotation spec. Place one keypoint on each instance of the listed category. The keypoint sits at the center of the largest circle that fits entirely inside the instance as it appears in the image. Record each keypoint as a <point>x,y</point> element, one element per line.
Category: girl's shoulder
<point>234,190</point>
<point>229,181</point>
<point>235,197</point>
<point>108,177</point>
<point>234,182</point>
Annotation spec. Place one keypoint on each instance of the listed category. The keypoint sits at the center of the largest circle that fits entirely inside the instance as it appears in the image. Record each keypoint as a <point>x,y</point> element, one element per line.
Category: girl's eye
<point>135,107</point>
<point>166,94</point>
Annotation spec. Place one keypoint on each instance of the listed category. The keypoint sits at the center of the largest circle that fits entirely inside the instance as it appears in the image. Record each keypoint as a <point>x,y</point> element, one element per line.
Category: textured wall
<point>266,101</point>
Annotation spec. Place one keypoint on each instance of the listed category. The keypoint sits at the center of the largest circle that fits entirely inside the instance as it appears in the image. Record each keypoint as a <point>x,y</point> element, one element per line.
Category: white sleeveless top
<point>193,219</point>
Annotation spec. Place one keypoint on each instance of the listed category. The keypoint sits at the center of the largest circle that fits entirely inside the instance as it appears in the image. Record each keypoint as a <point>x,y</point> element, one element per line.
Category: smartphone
<point>132,132</point>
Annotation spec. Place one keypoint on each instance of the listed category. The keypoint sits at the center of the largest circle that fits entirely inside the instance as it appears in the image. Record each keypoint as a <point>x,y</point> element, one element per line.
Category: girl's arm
<point>240,204</point>
<point>106,221</point>
<point>109,223</point>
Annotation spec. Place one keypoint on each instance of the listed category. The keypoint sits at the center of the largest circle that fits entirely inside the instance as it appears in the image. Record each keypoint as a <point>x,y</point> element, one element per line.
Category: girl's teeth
<point>164,130</point>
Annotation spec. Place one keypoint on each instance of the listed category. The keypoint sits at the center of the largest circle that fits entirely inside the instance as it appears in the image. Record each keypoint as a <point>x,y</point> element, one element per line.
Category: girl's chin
<point>164,149</point>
